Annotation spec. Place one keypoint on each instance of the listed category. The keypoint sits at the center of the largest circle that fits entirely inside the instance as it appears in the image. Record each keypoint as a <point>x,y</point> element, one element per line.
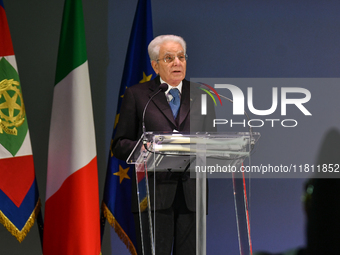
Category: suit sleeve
<point>126,136</point>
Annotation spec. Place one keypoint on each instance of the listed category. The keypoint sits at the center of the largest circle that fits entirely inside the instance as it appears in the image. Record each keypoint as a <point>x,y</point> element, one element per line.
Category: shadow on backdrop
<point>322,203</point>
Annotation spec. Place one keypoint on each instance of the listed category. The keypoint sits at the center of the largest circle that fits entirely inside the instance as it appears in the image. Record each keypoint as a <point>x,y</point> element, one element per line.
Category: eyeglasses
<point>170,58</point>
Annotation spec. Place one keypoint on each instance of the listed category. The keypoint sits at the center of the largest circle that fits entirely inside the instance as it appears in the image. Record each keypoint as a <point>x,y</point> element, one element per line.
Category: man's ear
<point>154,65</point>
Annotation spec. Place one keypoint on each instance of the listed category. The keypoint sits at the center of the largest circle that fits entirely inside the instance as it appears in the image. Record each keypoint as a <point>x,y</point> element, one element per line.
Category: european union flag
<point>117,193</point>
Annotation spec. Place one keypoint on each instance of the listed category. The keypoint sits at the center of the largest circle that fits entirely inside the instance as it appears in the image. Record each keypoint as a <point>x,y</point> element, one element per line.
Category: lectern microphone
<point>163,87</point>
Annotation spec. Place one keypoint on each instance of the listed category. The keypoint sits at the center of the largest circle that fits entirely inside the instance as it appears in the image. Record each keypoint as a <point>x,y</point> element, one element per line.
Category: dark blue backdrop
<point>277,39</point>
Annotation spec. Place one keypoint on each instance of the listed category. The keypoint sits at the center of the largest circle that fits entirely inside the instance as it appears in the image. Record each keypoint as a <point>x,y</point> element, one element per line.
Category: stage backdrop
<point>226,39</point>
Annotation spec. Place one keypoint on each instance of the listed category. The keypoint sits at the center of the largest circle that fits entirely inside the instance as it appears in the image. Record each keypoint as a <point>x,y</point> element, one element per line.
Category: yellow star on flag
<point>145,78</point>
<point>122,173</point>
<point>116,120</point>
<point>122,96</point>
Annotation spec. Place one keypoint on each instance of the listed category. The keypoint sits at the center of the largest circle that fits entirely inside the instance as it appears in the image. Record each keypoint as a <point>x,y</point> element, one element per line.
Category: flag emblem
<point>11,104</point>
<point>12,109</point>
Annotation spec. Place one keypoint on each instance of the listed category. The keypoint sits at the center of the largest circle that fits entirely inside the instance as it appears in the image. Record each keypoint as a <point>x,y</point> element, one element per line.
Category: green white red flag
<point>72,196</point>
<point>19,198</point>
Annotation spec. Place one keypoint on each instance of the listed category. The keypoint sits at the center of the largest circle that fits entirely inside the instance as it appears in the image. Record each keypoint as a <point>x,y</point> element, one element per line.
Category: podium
<point>199,154</point>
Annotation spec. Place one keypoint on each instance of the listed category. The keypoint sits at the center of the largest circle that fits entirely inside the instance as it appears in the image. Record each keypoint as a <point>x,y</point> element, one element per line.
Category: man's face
<point>172,72</point>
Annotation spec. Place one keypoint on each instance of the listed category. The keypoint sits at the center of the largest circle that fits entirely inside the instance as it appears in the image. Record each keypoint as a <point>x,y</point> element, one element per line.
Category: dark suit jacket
<point>159,118</point>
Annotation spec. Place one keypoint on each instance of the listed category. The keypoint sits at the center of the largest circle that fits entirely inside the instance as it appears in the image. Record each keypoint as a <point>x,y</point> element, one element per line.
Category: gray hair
<point>155,44</point>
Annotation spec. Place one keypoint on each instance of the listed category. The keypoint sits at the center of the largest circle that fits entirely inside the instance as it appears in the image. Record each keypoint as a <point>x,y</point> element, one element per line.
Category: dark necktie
<point>175,102</point>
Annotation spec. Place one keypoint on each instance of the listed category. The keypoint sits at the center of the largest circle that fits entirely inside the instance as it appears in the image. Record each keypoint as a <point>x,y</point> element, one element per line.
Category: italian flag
<point>19,198</point>
<point>72,196</point>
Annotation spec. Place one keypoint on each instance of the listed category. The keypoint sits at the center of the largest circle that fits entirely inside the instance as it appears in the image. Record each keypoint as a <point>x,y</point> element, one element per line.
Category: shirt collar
<point>179,86</point>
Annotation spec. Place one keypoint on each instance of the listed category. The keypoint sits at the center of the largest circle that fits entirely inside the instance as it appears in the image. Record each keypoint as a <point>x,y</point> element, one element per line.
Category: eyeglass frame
<point>173,58</point>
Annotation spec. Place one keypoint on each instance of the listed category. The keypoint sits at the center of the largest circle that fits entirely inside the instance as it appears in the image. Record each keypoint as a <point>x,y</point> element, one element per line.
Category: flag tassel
<point>118,229</point>
<point>20,234</point>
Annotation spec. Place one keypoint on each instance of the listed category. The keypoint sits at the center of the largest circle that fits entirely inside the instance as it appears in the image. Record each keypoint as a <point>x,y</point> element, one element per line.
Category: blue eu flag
<point>117,193</point>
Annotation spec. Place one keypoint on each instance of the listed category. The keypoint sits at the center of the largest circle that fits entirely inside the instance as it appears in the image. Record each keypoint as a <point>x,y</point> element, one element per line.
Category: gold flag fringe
<point>21,234</point>
<point>118,229</point>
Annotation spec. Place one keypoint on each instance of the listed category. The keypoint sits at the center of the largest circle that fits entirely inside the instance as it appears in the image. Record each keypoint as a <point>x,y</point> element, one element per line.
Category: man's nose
<point>176,61</point>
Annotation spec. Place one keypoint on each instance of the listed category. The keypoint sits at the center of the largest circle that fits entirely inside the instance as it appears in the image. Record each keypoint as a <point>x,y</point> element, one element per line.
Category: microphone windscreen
<point>163,87</point>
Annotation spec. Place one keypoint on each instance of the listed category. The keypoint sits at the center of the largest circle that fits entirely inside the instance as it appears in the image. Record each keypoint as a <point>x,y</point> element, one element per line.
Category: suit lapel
<point>185,102</point>
<point>160,100</point>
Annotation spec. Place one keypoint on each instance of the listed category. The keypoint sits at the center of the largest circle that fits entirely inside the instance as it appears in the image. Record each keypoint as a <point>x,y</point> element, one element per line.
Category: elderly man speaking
<point>175,203</point>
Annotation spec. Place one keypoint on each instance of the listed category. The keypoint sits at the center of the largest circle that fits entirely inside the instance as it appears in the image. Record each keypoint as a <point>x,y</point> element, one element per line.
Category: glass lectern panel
<point>161,158</point>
